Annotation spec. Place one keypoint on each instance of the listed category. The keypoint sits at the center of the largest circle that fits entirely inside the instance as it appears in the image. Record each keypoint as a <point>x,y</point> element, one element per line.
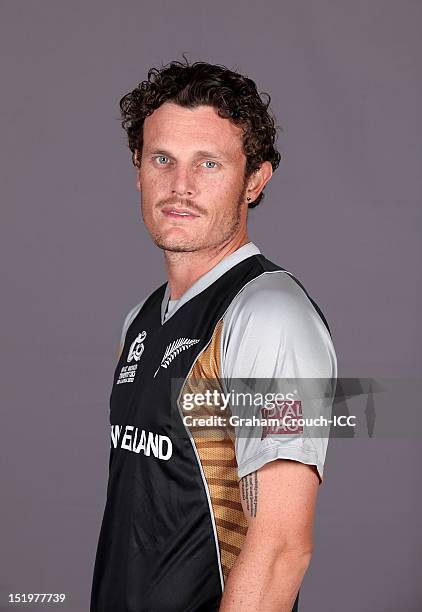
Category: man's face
<point>191,178</point>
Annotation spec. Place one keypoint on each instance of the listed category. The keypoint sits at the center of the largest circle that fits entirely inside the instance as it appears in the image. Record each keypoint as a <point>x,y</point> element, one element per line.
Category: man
<point>212,522</point>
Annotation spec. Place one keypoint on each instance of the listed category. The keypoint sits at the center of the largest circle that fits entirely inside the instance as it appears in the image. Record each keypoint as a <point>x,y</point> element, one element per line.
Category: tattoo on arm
<point>249,489</point>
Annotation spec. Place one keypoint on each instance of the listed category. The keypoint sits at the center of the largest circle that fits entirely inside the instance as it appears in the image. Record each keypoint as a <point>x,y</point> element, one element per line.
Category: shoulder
<point>272,298</point>
<point>156,295</point>
<point>274,315</point>
<point>130,316</point>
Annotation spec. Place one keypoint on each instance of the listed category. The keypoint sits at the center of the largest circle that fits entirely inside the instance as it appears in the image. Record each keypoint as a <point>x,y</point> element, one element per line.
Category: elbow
<point>298,556</point>
<point>305,557</point>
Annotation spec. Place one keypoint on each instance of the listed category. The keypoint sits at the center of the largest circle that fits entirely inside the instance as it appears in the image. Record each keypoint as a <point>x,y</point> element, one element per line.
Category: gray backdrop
<point>342,213</point>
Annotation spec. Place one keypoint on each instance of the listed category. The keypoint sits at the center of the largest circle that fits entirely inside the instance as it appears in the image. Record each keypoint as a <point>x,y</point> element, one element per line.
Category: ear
<point>137,162</point>
<point>258,180</point>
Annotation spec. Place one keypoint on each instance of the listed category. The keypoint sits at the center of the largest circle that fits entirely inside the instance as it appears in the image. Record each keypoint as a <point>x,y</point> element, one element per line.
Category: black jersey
<point>173,523</point>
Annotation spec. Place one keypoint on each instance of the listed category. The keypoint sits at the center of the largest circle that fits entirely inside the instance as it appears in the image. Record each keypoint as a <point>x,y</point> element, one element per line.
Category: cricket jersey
<point>173,523</point>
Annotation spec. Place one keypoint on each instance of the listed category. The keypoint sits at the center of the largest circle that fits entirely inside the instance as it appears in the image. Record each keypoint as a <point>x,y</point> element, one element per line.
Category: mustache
<point>182,203</point>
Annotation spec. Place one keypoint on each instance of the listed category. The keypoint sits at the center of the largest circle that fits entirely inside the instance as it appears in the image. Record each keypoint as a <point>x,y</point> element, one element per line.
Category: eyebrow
<point>201,153</point>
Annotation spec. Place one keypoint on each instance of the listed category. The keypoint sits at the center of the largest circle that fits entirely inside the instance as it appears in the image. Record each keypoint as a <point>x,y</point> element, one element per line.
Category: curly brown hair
<point>233,96</point>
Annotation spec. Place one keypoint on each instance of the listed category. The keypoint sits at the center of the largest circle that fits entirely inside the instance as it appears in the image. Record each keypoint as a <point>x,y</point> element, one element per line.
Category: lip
<point>178,213</point>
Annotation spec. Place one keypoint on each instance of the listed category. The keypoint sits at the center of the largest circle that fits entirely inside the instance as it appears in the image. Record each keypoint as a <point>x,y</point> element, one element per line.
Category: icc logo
<point>137,347</point>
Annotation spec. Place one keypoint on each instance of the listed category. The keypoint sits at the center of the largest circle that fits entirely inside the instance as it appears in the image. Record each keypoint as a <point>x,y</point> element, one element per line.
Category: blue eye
<point>211,162</point>
<point>159,157</point>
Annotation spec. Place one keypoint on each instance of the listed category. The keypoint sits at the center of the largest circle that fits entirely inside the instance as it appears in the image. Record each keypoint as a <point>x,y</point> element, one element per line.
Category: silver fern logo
<point>173,349</point>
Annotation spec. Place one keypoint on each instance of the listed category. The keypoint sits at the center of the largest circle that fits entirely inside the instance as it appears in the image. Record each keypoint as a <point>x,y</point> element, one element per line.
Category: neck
<point>184,268</point>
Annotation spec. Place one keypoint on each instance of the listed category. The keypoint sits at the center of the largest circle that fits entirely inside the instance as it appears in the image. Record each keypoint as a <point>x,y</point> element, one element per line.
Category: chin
<point>177,245</point>
<point>176,240</point>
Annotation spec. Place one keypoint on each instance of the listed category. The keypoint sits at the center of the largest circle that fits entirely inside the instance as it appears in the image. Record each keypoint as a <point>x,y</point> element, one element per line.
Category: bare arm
<point>279,503</point>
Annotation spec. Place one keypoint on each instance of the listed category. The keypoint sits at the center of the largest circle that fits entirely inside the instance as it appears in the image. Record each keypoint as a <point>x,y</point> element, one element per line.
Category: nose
<point>183,183</point>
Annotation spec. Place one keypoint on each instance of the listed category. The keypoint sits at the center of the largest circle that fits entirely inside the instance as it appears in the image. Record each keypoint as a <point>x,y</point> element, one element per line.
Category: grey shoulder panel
<point>273,315</point>
<point>272,331</point>
<point>128,320</point>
